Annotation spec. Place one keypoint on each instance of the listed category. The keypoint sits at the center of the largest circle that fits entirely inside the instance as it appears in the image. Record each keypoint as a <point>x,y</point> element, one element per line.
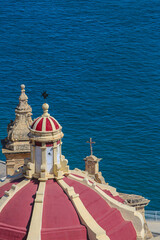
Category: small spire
<point>18,129</point>
<point>23,105</point>
<point>23,87</point>
<point>90,141</point>
<point>45,108</point>
<point>23,96</point>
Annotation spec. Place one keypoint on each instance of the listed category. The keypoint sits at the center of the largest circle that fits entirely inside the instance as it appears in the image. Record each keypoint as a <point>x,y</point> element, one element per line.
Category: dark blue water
<point>100,63</point>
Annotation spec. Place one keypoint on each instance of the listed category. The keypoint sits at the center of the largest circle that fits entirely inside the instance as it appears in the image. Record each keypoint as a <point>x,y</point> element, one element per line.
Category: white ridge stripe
<point>95,231</point>
<point>44,125</point>
<point>52,124</point>
<point>35,125</point>
<point>37,214</point>
<point>56,122</point>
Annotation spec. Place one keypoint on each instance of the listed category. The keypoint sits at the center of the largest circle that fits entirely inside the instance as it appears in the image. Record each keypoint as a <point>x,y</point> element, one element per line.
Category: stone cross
<point>90,142</point>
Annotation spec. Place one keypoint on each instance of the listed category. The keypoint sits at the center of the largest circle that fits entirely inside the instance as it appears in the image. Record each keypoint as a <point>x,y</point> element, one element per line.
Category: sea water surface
<point>99,61</point>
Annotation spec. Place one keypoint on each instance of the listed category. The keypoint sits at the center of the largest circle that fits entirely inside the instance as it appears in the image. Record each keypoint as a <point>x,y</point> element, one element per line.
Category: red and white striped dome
<point>62,219</point>
<point>45,122</point>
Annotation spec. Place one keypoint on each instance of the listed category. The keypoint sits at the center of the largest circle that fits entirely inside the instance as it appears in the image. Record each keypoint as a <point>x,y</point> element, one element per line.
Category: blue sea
<point>99,61</point>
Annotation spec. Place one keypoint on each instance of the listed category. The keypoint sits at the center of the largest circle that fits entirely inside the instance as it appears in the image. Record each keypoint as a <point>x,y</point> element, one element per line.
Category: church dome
<point>45,123</point>
<point>74,207</point>
<point>47,200</point>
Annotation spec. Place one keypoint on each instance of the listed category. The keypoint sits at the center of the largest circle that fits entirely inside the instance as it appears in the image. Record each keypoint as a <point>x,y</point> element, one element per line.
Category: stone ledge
<point>2,169</point>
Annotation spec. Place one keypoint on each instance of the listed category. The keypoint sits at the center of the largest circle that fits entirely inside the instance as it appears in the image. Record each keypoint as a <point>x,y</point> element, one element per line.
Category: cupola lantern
<point>45,136</point>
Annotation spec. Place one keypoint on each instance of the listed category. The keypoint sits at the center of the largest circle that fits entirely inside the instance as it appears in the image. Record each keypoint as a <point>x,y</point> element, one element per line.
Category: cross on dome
<point>91,148</point>
<point>45,94</point>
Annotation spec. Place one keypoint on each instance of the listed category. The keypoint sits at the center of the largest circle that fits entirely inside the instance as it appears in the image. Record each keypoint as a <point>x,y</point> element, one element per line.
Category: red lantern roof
<point>45,122</point>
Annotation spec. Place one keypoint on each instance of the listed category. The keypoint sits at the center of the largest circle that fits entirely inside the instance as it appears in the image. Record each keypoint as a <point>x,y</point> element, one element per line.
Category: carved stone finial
<point>23,96</point>
<point>22,86</point>
<point>16,145</point>
<point>45,108</point>
<point>19,129</point>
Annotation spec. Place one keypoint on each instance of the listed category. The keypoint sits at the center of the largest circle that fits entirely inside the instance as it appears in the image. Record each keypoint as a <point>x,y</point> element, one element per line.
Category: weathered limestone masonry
<point>92,167</point>
<point>16,145</point>
<point>139,203</point>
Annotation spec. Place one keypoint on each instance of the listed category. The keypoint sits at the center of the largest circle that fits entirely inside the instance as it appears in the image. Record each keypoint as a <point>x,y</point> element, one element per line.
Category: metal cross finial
<point>91,145</point>
<point>44,94</point>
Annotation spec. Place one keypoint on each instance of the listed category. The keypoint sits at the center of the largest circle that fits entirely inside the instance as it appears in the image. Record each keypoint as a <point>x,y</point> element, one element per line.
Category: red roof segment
<point>15,216</point>
<point>7,186</point>
<point>55,123</point>
<point>60,220</point>
<point>119,199</point>
<point>69,233</point>
<point>108,218</point>
<point>39,125</point>
<point>11,233</point>
<point>34,122</point>
<point>50,124</point>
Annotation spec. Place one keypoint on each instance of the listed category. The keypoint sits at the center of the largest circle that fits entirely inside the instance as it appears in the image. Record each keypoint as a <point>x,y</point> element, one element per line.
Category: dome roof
<point>65,209</point>
<point>45,123</point>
